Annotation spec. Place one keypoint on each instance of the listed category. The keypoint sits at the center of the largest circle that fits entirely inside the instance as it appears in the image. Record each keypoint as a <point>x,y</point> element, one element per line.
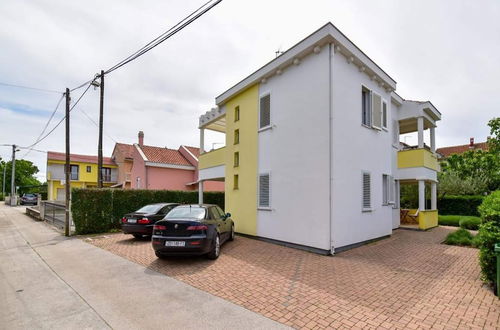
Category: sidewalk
<point>50,282</point>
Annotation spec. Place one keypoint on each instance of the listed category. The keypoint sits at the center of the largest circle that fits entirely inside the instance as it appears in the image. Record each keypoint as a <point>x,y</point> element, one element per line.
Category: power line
<point>96,124</point>
<point>32,88</point>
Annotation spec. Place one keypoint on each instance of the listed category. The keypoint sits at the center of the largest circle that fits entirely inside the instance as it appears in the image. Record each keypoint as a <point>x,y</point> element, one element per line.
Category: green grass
<point>461,237</point>
<point>467,222</point>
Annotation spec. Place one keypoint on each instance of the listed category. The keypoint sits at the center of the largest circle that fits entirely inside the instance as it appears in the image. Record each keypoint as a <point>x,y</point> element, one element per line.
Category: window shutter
<point>264,190</point>
<point>384,115</point>
<point>392,192</point>
<point>376,111</point>
<point>366,191</point>
<point>385,189</point>
<point>265,111</point>
<point>395,132</point>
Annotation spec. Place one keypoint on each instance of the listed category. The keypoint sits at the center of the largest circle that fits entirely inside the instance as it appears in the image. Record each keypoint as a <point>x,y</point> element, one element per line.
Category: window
<point>366,107</point>
<point>89,169</point>
<point>236,159</point>
<point>384,114</point>
<point>376,111</point>
<point>236,136</point>
<point>385,189</point>
<point>73,172</point>
<point>264,187</point>
<point>237,113</point>
<point>106,174</point>
<point>367,199</point>
<point>236,183</point>
<point>221,212</point>
<point>265,111</point>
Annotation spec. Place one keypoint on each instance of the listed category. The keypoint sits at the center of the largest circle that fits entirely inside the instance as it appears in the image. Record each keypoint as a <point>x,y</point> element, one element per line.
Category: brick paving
<point>408,281</point>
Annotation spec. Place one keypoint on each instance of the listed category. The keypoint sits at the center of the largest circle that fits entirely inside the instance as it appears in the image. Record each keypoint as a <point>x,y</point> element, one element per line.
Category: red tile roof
<point>126,149</point>
<point>164,156</point>
<point>52,155</point>
<point>448,151</point>
<point>195,151</point>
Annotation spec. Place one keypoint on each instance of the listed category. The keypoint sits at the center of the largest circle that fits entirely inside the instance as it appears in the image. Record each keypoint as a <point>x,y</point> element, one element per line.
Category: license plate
<point>175,243</point>
<point>132,220</point>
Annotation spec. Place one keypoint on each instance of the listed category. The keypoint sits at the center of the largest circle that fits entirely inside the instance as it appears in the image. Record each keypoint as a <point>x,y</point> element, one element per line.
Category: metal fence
<point>54,213</point>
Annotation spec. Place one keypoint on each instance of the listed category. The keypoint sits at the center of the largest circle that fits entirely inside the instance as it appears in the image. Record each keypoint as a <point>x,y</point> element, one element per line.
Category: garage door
<point>61,194</point>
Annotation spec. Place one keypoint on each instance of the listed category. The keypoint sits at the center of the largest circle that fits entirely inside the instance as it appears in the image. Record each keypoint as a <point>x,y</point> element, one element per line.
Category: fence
<point>54,213</point>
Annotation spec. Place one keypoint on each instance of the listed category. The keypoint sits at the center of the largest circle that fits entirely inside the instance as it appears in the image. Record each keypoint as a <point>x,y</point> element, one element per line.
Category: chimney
<point>471,143</point>
<point>141,138</point>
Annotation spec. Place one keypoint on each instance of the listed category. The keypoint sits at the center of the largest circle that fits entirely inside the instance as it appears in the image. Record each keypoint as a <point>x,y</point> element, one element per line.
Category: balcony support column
<point>200,192</point>
<point>202,141</point>
<point>421,195</point>
<point>420,126</point>
<point>433,195</point>
<point>432,132</point>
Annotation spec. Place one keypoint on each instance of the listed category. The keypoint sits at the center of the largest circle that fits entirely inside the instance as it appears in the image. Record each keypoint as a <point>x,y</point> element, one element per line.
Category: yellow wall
<point>212,158</point>
<point>417,158</point>
<point>427,219</point>
<point>242,202</point>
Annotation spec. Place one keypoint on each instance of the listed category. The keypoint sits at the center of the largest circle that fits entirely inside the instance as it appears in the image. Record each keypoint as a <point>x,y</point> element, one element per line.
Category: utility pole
<point>3,181</point>
<point>99,147</point>
<point>13,200</point>
<point>67,168</point>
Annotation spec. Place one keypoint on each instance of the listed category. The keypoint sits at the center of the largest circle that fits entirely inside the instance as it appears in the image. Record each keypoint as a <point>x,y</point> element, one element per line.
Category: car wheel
<point>231,236</point>
<point>214,253</point>
<point>138,236</point>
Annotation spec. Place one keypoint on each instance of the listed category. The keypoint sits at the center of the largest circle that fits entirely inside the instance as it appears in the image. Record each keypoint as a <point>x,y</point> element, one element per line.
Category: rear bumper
<point>137,229</point>
<point>195,245</point>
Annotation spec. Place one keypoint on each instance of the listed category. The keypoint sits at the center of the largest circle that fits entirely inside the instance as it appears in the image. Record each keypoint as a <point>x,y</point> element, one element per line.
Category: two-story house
<point>83,173</point>
<point>312,156</point>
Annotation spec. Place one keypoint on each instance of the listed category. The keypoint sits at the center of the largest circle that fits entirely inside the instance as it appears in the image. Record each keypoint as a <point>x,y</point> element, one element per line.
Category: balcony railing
<point>417,158</point>
<point>212,158</point>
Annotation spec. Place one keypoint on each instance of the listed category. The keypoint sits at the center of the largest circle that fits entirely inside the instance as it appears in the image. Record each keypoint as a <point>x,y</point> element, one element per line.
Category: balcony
<point>212,158</point>
<point>417,158</point>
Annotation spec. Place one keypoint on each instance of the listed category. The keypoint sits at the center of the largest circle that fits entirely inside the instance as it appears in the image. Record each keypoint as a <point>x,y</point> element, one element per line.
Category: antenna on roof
<point>279,52</point>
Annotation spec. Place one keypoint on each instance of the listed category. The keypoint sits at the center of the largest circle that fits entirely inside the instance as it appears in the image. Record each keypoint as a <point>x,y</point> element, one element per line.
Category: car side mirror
<point>228,215</point>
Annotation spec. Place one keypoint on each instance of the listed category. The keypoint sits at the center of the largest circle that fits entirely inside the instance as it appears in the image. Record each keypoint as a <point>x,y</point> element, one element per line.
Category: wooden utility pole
<point>67,168</point>
<point>99,147</point>
<point>13,200</point>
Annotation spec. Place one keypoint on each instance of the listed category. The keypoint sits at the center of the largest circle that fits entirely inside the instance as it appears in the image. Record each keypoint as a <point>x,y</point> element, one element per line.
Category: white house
<point>312,156</point>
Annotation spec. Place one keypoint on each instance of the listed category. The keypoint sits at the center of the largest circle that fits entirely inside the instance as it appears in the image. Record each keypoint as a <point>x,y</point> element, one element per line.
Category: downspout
<point>330,142</point>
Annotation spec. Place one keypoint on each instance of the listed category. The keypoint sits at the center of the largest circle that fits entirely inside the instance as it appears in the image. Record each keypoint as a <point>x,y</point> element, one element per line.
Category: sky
<point>443,51</point>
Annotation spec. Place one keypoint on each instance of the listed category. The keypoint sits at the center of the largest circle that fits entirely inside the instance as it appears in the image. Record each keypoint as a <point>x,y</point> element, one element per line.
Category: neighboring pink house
<point>160,168</point>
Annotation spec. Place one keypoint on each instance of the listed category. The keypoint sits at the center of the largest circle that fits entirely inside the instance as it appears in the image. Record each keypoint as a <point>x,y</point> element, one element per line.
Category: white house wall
<point>357,149</point>
<point>394,125</point>
<point>295,153</point>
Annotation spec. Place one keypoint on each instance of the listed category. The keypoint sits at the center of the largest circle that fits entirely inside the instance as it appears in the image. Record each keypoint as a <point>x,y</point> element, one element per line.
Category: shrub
<point>489,235</point>
<point>459,205</point>
<point>461,237</point>
<point>100,210</point>
<point>449,220</point>
<point>471,223</point>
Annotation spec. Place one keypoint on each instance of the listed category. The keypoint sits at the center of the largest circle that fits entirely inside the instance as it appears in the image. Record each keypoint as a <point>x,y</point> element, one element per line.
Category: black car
<point>193,230</point>
<point>29,199</point>
<point>141,222</point>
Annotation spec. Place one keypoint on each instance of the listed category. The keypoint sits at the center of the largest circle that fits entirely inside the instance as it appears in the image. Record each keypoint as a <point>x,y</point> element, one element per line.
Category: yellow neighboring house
<point>83,173</point>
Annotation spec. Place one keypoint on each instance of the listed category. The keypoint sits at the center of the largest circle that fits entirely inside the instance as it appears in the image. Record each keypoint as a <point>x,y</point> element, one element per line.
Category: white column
<point>421,195</point>
<point>202,140</point>
<point>433,139</point>
<point>433,196</point>
<point>200,192</point>
<point>420,126</point>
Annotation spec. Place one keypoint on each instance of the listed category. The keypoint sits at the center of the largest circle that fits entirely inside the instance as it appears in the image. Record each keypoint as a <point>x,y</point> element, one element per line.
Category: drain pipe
<point>330,141</point>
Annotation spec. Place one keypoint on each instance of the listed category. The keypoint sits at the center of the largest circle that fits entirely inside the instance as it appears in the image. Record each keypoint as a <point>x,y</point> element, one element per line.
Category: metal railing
<point>54,213</point>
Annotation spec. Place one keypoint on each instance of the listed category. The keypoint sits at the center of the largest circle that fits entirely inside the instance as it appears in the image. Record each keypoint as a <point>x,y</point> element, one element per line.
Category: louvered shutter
<point>264,200</point>
<point>366,191</point>
<point>376,111</point>
<point>265,111</point>
<point>392,192</point>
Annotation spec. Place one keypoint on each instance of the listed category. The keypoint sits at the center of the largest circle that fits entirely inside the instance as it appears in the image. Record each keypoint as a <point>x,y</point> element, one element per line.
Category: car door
<point>217,221</point>
<point>226,222</point>
<point>223,223</point>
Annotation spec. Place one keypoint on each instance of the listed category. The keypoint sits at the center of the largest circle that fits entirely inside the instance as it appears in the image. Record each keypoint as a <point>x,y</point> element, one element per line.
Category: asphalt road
<point>48,281</point>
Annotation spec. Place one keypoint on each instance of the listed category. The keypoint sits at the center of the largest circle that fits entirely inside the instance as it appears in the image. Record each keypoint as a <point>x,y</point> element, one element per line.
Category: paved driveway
<point>407,281</point>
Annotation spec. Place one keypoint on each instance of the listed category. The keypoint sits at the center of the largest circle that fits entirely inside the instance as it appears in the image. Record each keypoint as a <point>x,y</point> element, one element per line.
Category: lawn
<point>467,222</point>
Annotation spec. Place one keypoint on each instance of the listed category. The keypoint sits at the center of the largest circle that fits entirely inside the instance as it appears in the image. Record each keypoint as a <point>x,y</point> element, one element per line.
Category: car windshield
<point>197,213</point>
<point>149,208</point>
<point>29,195</point>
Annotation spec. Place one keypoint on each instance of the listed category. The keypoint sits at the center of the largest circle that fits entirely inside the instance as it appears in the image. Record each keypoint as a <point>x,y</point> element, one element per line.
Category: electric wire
<point>32,88</point>
<point>96,124</point>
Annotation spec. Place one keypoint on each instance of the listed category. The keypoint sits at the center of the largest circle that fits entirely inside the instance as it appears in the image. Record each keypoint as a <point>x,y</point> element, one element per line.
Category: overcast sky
<point>442,51</point>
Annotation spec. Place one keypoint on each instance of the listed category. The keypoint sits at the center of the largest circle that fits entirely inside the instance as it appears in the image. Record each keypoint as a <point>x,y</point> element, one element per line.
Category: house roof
<point>164,155</point>
<point>448,151</point>
<point>195,151</point>
<point>52,155</point>
<point>126,149</point>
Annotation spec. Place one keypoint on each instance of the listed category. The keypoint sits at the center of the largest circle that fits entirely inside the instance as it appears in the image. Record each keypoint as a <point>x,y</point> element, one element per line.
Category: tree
<point>494,140</point>
<point>24,176</point>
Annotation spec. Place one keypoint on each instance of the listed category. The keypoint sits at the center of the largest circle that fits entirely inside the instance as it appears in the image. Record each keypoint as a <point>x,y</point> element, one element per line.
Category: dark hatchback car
<point>193,230</point>
<point>29,199</point>
<point>140,223</point>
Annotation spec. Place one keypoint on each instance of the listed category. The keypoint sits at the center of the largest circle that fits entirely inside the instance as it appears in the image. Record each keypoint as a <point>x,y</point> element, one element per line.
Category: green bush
<point>449,220</point>
<point>459,205</point>
<point>466,222</point>
<point>461,237</point>
<point>471,223</point>
<point>100,210</point>
<point>489,235</point>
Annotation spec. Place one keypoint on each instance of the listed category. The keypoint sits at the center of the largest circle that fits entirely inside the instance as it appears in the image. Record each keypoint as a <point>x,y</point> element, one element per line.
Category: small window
<point>265,111</point>
<point>236,159</point>
<point>367,199</point>
<point>237,113</point>
<point>264,188</point>
<point>89,169</point>
<point>74,172</point>
<point>236,136</point>
<point>366,107</point>
<point>106,174</point>
<point>236,183</point>
<point>384,114</point>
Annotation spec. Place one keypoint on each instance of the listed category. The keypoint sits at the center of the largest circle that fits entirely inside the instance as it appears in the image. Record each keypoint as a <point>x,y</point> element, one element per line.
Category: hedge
<point>100,210</point>
<point>459,205</point>
<point>466,222</point>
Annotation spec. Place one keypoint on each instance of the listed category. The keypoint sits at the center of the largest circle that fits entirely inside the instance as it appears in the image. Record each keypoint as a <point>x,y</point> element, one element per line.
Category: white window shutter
<point>264,187</point>
<point>265,111</point>
<point>376,111</point>
<point>367,203</point>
